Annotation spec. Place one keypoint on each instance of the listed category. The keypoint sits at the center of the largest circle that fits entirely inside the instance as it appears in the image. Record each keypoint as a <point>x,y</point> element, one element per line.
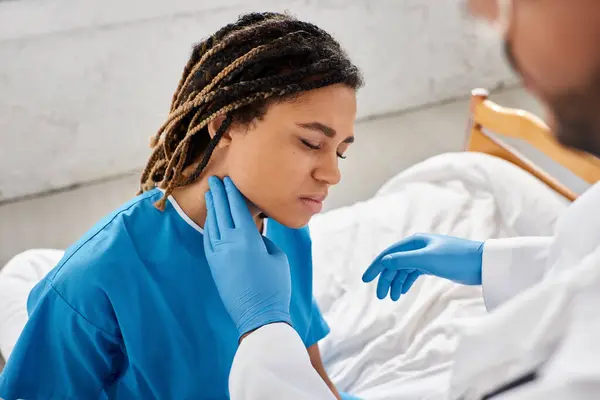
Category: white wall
<point>84,84</point>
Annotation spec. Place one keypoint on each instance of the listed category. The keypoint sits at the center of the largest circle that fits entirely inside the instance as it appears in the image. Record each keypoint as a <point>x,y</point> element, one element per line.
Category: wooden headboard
<point>487,118</point>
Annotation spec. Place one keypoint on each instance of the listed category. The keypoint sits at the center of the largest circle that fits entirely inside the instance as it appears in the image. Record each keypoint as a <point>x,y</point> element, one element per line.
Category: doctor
<point>541,339</point>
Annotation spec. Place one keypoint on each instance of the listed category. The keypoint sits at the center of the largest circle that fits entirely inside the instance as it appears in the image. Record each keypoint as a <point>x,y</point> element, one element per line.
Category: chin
<point>293,221</point>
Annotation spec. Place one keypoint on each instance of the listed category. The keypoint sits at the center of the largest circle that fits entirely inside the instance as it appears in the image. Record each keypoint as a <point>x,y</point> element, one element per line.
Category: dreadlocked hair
<point>235,74</point>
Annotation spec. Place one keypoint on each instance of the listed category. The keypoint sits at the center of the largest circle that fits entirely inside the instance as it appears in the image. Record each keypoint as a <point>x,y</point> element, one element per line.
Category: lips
<point>313,203</point>
<point>319,198</point>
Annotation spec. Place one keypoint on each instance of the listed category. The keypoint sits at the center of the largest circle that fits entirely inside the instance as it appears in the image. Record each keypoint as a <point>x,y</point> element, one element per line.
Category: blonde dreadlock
<point>235,74</point>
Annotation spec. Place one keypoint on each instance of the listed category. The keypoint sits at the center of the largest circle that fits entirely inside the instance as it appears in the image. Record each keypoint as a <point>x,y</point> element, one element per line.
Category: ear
<point>213,127</point>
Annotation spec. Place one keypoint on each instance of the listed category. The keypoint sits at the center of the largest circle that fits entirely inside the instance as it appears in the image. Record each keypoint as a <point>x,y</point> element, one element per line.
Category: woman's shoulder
<point>81,281</point>
<point>108,246</point>
<point>135,213</point>
<point>95,265</point>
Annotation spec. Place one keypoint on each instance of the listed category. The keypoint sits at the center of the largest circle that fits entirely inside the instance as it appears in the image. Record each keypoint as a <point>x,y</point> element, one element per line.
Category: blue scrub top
<point>132,312</point>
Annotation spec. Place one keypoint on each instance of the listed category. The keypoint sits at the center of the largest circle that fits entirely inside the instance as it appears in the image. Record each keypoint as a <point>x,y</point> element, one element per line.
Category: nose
<point>327,170</point>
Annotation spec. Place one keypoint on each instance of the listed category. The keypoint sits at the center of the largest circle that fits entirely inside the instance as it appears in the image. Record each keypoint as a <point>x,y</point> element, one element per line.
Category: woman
<point>131,311</point>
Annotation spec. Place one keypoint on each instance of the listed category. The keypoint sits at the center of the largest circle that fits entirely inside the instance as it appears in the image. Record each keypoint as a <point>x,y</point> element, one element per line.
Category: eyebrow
<point>326,130</point>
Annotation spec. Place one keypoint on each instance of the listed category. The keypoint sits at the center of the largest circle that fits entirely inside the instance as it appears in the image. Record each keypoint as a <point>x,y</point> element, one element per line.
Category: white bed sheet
<point>380,349</point>
<point>386,350</point>
<point>17,278</point>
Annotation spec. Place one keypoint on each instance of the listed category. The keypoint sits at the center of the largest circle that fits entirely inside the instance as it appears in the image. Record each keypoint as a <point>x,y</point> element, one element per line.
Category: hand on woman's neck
<point>191,200</point>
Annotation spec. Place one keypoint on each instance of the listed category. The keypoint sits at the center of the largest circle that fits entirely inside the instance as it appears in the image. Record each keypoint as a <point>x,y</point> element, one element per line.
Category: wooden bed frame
<point>487,117</point>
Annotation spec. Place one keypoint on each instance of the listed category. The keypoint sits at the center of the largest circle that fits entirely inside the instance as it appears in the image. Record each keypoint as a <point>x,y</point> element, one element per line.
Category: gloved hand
<point>251,274</point>
<point>400,265</point>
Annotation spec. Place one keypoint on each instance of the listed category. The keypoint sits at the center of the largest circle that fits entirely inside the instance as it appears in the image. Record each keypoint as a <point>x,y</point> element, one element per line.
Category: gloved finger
<point>397,284</point>
<point>238,207</point>
<point>372,272</point>
<point>385,280</point>
<point>208,249</point>
<point>407,259</point>
<point>221,204</point>
<point>211,229</point>
<point>410,279</point>
<point>410,243</point>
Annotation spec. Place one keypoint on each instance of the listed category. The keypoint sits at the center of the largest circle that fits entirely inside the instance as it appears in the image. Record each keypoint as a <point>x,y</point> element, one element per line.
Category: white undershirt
<point>191,223</point>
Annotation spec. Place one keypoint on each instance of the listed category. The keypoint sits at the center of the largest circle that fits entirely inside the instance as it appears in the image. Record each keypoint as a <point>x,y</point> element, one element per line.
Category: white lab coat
<point>543,295</point>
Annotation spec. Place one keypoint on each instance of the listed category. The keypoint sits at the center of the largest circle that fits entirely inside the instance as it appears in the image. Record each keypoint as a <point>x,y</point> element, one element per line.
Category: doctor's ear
<point>221,122</point>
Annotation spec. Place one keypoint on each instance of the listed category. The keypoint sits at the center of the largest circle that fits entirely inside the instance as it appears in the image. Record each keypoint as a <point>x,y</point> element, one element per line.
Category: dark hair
<point>236,73</point>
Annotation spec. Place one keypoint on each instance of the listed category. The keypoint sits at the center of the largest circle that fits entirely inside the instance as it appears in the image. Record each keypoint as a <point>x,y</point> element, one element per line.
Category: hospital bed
<point>403,350</point>
<point>490,126</point>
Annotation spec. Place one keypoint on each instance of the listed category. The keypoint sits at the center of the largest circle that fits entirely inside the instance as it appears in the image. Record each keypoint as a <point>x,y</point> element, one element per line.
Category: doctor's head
<point>269,101</point>
<point>554,45</point>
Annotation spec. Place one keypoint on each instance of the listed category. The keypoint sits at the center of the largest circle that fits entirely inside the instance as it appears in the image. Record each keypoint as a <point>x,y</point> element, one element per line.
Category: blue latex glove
<point>400,265</point>
<point>251,274</point>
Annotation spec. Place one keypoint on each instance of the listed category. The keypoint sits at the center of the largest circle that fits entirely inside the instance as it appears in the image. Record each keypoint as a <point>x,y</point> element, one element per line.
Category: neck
<point>191,200</point>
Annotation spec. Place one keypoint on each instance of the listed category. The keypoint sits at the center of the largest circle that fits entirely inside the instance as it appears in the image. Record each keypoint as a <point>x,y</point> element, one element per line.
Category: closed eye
<point>318,147</point>
<point>310,145</point>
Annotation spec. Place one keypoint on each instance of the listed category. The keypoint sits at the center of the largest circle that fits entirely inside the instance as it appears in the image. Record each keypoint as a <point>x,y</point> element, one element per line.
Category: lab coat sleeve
<point>573,371</point>
<point>272,363</point>
<point>509,266</point>
<point>59,354</point>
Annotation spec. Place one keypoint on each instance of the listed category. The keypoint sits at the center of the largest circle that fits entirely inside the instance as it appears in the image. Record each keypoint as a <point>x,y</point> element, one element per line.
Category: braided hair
<point>235,74</point>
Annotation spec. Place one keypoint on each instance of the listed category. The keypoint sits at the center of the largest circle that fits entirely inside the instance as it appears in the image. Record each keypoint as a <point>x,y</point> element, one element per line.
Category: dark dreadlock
<point>263,57</point>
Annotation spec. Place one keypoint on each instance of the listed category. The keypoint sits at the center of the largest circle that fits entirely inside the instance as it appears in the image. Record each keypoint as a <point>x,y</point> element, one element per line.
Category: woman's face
<point>285,162</point>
